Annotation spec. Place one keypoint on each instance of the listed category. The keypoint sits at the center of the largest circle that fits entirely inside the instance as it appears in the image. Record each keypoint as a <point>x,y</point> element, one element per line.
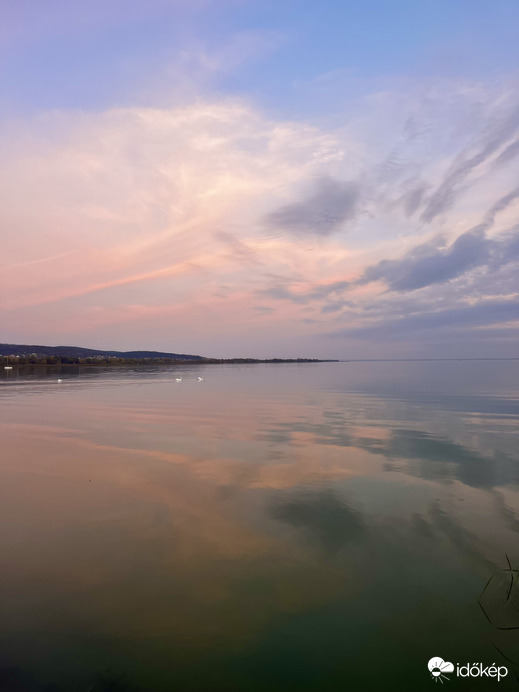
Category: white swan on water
<point>178,379</point>
<point>200,379</point>
<point>60,380</point>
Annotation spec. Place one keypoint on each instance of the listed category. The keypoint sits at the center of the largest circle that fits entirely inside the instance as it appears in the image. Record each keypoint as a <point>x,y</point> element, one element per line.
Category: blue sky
<point>284,169</point>
<point>97,55</point>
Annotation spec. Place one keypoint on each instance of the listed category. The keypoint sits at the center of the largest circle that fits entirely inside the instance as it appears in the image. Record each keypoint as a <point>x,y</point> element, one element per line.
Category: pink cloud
<point>150,222</point>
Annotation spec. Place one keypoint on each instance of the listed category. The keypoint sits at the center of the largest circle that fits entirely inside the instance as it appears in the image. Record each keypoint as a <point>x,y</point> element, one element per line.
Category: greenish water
<point>274,527</point>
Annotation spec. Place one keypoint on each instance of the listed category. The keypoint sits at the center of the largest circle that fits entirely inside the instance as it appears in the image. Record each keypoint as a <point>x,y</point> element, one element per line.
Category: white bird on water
<point>200,379</point>
<point>178,379</point>
<point>60,380</point>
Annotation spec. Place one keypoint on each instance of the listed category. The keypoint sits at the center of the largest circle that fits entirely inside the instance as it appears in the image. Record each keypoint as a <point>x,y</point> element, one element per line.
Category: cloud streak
<point>426,265</point>
<point>487,313</point>
<point>326,209</point>
<point>467,162</point>
<point>183,220</point>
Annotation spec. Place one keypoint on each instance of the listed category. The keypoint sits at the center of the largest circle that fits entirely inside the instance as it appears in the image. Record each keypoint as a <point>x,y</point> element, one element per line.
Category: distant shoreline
<point>121,363</point>
<point>146,362</point>
<point>32,355</point>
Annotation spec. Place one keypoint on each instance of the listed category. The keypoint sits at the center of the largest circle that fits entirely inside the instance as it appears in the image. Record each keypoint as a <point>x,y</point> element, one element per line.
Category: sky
<point>241,178</point>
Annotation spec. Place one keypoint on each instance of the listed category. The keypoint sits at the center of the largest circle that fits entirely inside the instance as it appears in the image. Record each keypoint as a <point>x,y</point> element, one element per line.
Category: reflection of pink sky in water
<point>83,516</point>
<point>144,511</point>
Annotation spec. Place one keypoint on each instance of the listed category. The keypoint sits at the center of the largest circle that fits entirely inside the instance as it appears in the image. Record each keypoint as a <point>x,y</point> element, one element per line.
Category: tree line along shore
<point>39,361</point>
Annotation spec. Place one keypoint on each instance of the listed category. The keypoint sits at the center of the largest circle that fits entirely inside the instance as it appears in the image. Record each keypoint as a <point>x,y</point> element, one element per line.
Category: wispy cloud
<point>187,219</point>
<point>325,210</point>
<point>497,136</point>
<point>426,265</point>
<point>486,313</point>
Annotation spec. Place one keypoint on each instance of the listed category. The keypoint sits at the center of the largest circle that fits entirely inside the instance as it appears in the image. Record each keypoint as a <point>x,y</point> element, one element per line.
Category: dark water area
<point>287,527</point>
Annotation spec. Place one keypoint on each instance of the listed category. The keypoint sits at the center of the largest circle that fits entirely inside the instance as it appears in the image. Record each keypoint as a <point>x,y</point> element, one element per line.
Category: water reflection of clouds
<point>106,518</point>
<point>150,558</point>
<point>151,547</point>
<point>194,526</point>
<point>443,460</point>
<point>433,457</point>
<point>323,516</point>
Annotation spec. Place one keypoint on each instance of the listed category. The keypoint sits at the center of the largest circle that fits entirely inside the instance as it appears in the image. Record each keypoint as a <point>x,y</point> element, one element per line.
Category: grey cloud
<point>330,205</point>
<point>413,198</point>
<point>509,248</point>
<point>426,265</point>
<point>486,313</point>
<point>503,250</point>
<point>446,192</point>
<point>393,167</point>
<point>282,293</point>
<point>280,290</point>
<point>505,201</point>
<point>332,307</point>
<point>263,309</point>
<point>324,290</point>
<point>511,151</point>
<point>237,247</point>
<point>501,204</point>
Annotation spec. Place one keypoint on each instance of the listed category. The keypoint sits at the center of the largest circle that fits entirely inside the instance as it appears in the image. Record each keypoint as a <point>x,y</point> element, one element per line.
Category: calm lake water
<point>275,527</point>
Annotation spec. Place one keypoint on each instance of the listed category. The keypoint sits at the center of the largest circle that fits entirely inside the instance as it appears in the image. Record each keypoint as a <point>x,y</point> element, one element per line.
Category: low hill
<point>79,352</point>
